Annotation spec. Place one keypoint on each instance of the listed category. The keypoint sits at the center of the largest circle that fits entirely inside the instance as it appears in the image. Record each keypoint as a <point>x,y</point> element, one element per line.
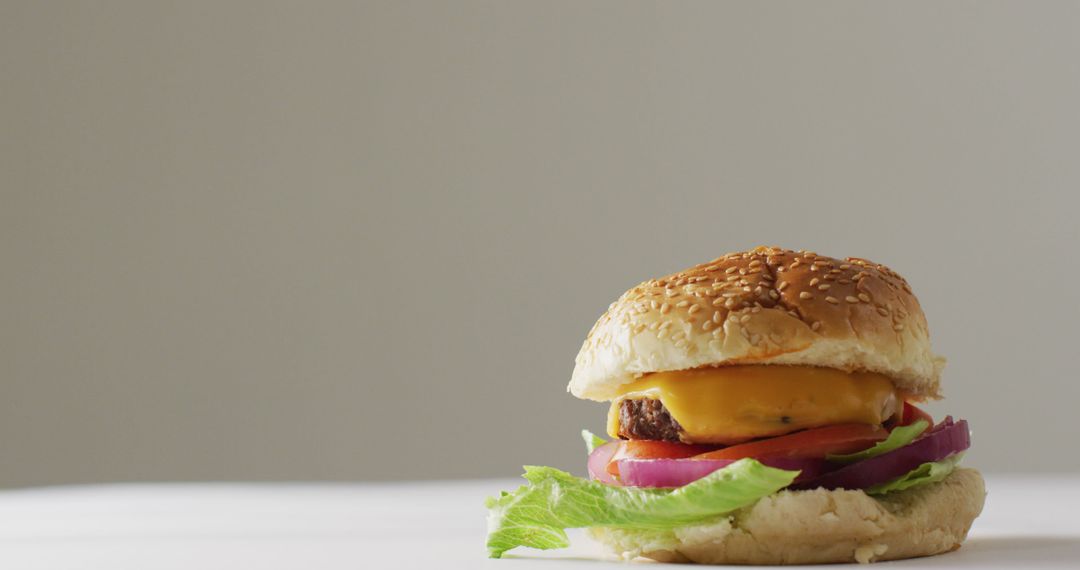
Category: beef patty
<point>647,419</point>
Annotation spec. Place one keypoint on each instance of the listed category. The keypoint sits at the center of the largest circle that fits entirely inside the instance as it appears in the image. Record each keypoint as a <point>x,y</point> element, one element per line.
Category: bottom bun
<point>819,526</point>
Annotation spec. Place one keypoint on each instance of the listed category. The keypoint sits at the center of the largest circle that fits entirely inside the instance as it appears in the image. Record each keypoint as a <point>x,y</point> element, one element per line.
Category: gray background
<point>254,240</point>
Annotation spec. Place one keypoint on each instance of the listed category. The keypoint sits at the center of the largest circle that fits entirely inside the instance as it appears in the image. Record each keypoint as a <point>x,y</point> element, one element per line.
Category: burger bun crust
<point>819,526</point>
<point>763,306</point>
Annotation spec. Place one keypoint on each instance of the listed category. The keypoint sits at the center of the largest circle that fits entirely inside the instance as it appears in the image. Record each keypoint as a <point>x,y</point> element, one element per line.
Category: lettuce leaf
<point>898,437</point>
<point>924,474</point>
<point>592,441</point>
<point>536,515</point>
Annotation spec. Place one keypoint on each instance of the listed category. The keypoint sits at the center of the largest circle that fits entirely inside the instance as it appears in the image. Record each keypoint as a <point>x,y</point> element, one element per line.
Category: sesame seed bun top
<point>763,306</point>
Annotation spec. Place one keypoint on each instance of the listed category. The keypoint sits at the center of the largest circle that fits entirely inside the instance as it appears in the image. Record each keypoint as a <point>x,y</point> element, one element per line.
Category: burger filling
<point>733,404</point>
<point>646,418</point>
<point>697,445</point>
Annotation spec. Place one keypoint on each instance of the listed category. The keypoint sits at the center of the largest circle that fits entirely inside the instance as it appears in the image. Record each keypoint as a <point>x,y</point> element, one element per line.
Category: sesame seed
<point>805,295</point>
<point>864,297</point>
<point>730,303</point>
<point>755,262</point>
<point>814,281</point>
<point>717,317</point>
<point>654,305</point>
<point>845,266</point>
<point>744,318</point>
<point>881,311</point>
<point>670,292</point>
<point>707,325</point>
<point>773,294</point>
<point>832,300</point>
<point>851,299</point>
<point>747,289</point>
<point>682,303</point>
<point>824,287</point>
<point>694,308</point>
<point>731,269</point>
<point>665,309</point>
<point>756,339</point>
<point>815,326</point>
<point>782,286</point>
<point>756,309</point>
<point>665,325</point>
<point>898,327</point>
<point>730,294</point>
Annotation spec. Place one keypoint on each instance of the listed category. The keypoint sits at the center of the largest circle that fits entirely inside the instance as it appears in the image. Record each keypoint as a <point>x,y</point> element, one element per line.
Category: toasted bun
<point>764,306</point>
<point>816,527</point>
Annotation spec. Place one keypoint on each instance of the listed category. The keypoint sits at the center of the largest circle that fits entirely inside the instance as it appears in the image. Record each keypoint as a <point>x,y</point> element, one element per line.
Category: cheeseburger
<point>763,410</point>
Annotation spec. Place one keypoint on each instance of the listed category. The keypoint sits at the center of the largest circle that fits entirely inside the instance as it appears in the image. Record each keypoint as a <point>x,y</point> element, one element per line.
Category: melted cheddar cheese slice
<point>730,404</point>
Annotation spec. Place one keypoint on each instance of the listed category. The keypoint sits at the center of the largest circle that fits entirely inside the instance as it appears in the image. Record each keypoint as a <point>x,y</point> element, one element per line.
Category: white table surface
<point>1028,522</point>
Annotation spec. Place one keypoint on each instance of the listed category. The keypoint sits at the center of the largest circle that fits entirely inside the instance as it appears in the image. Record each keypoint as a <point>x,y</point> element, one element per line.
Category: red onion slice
<point>679,472</point>
<point>945,439</point>
<point>598,462</point>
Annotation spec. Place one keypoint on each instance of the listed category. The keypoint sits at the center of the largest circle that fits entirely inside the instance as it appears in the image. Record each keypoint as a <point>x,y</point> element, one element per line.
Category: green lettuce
<point>898,437</point>
<point>592,441</point>
<point>924,474</point>
<point>536,515</point>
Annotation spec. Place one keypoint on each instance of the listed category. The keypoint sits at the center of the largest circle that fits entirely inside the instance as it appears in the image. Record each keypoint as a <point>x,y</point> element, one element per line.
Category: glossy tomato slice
<point>912,414</point>
<point>646,449</point>
<point>807,444</point>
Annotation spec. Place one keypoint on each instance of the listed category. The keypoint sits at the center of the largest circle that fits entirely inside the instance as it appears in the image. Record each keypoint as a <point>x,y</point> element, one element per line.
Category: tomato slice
<point>911,414</point>
<point>646,449</point>
<point>811,443</point>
